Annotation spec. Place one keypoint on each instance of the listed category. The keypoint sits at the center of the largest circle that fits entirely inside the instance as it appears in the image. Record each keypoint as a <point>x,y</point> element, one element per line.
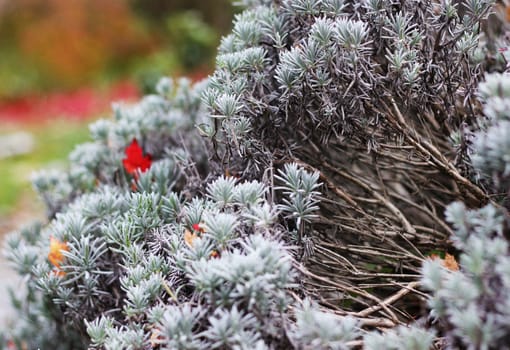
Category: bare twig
<point>388,301</point>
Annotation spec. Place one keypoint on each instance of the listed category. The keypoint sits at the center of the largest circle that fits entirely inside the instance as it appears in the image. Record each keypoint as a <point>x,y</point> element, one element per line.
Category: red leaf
<point>198,227</point>
<point>135,160</point>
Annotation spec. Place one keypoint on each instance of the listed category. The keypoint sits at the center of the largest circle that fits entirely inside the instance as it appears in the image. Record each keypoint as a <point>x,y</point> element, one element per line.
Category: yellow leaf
<point>189,237</point>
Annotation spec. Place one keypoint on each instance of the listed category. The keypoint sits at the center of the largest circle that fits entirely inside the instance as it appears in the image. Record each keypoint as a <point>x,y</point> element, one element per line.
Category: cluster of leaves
<point>158,123</point>
<point>137,256</point>
<point>492,146</point>
<point>315,70</point>
<point>72,264</point>
<point>310,79</point>
<point>471,305</point>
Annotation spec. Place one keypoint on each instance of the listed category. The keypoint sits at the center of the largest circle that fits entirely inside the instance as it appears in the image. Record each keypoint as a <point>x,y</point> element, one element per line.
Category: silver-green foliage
<point>322,69</point>
<point>167,259</point>
<point>317,329</point>
<point>148,265</point>
<point>492,147</point>
<point>473,302</point>
<point>400,338</point>
<point>300,190</point>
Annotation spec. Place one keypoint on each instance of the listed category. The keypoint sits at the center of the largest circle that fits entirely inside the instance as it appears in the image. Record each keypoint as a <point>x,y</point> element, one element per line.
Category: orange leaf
<point>450,263</point>
<point>57,272</point>
<point>55,255</point>
<point>155,338</point>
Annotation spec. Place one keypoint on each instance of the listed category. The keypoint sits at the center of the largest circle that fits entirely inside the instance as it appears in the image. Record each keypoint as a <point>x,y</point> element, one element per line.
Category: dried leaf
<point>450,263</point>
<point>189,237</point>
<point>55,255</point>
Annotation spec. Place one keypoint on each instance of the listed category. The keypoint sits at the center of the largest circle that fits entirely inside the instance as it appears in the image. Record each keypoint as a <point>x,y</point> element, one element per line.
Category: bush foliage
<point>295,199</point>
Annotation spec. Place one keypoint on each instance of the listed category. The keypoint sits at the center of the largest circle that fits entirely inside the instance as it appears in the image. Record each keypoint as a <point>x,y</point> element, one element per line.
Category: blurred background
<point>63,62</point>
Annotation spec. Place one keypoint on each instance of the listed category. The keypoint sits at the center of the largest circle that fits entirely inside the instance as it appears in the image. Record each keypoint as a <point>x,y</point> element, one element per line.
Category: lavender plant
<point>469,305</point>
<point>290,201</point>
<point>365,95</point>
<point>102,210</point>
<point>151,254</point>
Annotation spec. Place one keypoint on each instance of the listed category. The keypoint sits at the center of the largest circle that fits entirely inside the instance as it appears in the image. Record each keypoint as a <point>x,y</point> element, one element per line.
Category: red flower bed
<point>78,105</point>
